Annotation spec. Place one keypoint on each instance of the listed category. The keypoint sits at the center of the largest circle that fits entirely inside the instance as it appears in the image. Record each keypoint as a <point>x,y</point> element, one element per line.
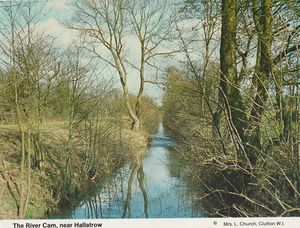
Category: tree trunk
<point>136,124</point>
<point>138,108</point>
<point>229,85</point>
<point>264,67</point>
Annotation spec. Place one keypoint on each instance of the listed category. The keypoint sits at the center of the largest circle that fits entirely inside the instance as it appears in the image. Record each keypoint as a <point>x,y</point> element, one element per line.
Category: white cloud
<point>133,47</point>
<point>65,37</point>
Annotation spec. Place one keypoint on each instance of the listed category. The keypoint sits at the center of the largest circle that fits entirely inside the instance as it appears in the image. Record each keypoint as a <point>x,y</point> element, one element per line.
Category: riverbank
<point>154,187</point>
<point>67,171</point>
<point>239,174</point>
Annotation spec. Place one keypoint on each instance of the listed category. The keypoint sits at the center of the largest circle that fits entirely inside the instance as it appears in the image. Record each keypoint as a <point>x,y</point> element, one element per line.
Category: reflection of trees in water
<point>117,195</point>
<point>103,205</point>
<point>174,164</point>
<point>141,179</point>
<point>185,187</point>
<point>127,205</point>
<point>139,172</point>
<point>93,208</point>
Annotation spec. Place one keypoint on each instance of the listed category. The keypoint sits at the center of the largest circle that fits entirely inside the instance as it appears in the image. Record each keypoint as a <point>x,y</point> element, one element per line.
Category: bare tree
<point>153,24</point>
<point>108,23</point>
<point>28,57</point>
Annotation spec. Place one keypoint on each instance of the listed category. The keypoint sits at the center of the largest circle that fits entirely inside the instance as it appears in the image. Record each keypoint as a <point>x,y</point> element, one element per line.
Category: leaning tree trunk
<point>136,123</point>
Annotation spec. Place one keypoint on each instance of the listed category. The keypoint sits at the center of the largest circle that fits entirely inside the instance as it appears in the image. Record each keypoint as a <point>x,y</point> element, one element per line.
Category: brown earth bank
<point>66,171</point>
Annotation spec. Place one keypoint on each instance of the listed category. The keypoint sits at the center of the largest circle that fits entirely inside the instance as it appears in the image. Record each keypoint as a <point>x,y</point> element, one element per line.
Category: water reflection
<point>139,172</point>
<point>155,187</point>
<point>141,178</point>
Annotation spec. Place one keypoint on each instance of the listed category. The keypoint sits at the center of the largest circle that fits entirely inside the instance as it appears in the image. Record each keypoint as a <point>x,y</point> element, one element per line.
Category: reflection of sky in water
<point>167,196</point>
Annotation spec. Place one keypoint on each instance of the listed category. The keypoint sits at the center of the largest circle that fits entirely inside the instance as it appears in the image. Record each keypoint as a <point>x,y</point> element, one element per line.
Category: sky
<point>59,13</point>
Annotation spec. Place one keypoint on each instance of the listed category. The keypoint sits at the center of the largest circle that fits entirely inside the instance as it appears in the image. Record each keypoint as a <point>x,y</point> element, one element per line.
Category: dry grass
<point>137,141</point>
<point>53,134</point>
<point>9,192</point>
<point>10,174</point>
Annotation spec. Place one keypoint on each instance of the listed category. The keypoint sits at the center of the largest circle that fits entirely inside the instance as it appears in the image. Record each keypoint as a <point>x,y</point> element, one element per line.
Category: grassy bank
<point>67,171</point>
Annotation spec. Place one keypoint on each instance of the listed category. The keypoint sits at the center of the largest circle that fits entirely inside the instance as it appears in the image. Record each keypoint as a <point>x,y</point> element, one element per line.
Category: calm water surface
<point>156,188</point>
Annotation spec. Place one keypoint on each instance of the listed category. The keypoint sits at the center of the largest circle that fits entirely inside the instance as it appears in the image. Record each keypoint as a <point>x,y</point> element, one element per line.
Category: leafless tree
<point>108,23</point>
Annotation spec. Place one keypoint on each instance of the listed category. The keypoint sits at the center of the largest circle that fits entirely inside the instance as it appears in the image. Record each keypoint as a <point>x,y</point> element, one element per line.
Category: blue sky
<point>59,12</point>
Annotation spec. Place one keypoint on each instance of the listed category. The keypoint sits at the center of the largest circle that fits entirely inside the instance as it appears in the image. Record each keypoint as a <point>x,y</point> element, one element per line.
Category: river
<point>156,188</point>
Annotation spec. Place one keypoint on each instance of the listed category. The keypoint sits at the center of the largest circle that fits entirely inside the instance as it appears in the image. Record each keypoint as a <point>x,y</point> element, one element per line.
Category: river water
<point>156,188</point>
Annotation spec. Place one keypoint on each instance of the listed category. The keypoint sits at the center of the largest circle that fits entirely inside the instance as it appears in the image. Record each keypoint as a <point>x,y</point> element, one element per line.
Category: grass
<point>10,157</point>
<point>137,141</point>
<point>53,136</point>
<point>7,206</point>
